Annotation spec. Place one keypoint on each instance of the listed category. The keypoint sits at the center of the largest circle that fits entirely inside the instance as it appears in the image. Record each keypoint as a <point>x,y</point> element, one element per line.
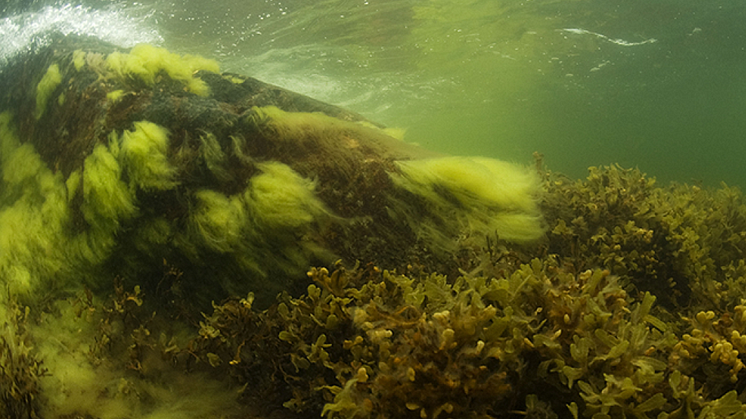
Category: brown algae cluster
<point>521,335</point>
<point>138,186</point>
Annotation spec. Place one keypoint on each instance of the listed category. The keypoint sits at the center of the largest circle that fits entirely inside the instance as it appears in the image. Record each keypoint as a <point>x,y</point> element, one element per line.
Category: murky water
<point>655,84</point>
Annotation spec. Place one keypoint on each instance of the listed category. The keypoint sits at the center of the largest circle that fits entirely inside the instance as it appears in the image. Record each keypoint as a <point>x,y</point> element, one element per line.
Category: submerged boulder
<point>117,162</point>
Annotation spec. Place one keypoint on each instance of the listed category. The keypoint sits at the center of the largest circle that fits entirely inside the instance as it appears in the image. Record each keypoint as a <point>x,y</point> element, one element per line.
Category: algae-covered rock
<point>135,157</point>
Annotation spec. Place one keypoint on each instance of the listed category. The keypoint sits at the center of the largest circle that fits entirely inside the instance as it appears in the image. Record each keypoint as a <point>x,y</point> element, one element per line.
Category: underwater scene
<point>372,209</point>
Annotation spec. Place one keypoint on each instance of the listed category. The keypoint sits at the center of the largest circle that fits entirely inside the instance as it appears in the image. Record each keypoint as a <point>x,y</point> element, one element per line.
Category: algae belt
<point>177,242</point>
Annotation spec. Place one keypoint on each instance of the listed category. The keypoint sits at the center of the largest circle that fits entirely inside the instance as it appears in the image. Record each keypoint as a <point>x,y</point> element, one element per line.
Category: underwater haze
<point>654,84</point>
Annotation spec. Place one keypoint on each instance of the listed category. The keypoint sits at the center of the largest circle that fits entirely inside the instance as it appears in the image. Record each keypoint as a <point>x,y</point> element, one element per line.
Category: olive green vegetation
<point>32,214</point>
<point>571,328</point>
<point>21,367</point>
<point>46,86</point>
<point>261,225</point>
<point>102,362</point>
<point>590,322</point>
<point>42,241</point>
<point>36,211</point>
<point>145,151</point>
<point>176,162</point>
<point>243,203</point>
<point>144,63</point>
<point>467,287</point>
<point>492,196</point>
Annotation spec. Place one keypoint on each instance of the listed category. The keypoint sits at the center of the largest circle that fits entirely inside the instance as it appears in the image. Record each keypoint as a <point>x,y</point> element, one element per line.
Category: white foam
<point>617,41</point>
<point>29,31</point>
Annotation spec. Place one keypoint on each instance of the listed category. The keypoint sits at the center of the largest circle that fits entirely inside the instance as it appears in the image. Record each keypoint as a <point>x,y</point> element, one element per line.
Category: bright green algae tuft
<point>45,88</point>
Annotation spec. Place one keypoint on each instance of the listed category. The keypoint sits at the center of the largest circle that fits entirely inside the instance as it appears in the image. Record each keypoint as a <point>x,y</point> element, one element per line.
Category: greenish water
<point>655,84</point>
